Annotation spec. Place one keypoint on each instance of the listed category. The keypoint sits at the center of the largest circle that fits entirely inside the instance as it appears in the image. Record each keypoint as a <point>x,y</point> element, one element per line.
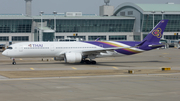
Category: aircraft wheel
<point>82,61</point>
<point>93,62</point>
<point>87,62</point>
<point>14,63</point>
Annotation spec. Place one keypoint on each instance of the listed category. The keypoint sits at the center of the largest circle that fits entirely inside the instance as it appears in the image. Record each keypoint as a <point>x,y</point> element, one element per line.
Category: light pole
<point>41,31</point>
<point>153,17</point>
<point>55,13</point>
<point>162,14</point>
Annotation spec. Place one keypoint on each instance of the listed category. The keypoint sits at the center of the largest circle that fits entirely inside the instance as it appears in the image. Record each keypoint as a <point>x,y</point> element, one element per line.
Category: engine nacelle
<point>73,57</point>
<point>58,58</point>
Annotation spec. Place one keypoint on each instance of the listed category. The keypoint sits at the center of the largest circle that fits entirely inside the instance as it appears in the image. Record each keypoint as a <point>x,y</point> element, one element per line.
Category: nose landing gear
<point>14,62</point>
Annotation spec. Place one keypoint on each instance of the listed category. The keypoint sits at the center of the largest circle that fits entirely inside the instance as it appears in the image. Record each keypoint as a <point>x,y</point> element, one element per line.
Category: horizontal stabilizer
<point>156,45</point>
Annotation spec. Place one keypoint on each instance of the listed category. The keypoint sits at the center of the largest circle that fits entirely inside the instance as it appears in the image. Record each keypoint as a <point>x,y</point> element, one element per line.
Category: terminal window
<point>92,25</point>
<point>4,38</point>
<point>15,26</point>
<point>173,24</point>
<point>130,12</point>
<point>122,13</point>
<point>20,38</point>
<point>59,37</point>
<point>118,37</point>
<point>92,38</point>
<point>137,37</point>
<point>172,37</point>
<point>81,38</point>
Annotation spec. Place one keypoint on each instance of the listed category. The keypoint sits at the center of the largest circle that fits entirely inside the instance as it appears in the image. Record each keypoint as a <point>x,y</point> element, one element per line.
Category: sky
<point>61,6</point>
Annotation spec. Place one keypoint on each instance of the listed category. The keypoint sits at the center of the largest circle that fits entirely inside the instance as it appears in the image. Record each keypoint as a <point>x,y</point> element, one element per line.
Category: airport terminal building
<point>128,22</point>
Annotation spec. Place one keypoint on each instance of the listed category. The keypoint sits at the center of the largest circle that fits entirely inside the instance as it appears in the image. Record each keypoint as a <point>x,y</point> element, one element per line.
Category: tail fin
<point>155,35</point>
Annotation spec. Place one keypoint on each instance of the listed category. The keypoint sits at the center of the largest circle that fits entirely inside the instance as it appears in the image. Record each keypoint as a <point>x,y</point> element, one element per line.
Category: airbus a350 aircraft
<point>85,51</point>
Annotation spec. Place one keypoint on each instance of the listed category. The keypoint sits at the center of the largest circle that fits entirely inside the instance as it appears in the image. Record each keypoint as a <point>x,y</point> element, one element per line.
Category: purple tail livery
<point>151,41</point>
<point>156,34</point>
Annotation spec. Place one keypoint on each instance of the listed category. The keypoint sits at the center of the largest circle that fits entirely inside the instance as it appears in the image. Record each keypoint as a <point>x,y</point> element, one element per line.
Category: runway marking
<point>81,77</point>
<point>32,68</point>
<point>115,68</point>
<point>165,57</point>
<point>26,79</point>
<point>169,58</point>
<point>165,53</point>
<point>164,67</point>
<point>20,59</point>
<point>74,68</point>
<point>76,77</point>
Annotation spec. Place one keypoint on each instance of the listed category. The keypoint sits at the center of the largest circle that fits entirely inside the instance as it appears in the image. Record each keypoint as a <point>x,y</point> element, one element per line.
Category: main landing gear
<point>14,62</point>
<point>88,61</point>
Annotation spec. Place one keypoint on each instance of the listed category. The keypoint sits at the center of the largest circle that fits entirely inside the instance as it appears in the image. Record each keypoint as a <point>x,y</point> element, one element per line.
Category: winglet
<point>97,39</point>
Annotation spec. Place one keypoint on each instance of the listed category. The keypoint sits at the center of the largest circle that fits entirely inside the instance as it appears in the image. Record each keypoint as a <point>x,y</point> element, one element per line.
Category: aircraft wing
<point>95,51</point>
<point>102,50</point>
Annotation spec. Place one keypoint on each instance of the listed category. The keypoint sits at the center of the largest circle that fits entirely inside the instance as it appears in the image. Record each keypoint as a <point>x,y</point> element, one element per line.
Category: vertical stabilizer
<point>155,35</point>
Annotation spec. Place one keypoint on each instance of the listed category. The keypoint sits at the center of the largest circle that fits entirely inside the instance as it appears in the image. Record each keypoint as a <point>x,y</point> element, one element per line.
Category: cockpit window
<point>9,48</point>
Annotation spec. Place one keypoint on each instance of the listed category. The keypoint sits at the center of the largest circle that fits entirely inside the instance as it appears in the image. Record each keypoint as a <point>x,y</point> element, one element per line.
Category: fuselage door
<point>20,48</point>
<point>52,47</point>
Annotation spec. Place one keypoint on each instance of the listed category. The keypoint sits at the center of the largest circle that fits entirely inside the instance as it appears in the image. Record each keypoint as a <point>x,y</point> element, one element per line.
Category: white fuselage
<point>49,49</point>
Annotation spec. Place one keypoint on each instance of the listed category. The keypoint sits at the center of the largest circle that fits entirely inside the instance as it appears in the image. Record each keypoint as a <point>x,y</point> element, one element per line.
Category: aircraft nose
<point>5,53</point>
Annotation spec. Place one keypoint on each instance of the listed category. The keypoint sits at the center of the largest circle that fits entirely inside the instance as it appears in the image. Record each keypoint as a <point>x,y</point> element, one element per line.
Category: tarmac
<point>35,80</point>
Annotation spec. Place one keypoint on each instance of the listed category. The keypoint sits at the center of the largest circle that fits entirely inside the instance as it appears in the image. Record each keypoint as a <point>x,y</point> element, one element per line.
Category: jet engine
<point>73,57</point>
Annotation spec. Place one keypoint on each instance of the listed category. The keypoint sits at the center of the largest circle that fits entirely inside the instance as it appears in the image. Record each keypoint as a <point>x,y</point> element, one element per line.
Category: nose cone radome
<point>5,53</point>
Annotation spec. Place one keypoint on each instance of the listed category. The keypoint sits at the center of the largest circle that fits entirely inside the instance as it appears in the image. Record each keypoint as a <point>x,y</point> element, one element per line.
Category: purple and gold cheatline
<point>152,38</point>
<point>109,44</point>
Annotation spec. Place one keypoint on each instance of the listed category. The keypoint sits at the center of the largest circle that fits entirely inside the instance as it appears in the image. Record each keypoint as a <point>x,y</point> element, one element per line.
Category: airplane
<point>85,51</point>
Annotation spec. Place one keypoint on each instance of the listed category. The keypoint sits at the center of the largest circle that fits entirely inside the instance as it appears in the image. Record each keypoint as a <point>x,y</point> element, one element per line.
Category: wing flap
<point>95,51</point>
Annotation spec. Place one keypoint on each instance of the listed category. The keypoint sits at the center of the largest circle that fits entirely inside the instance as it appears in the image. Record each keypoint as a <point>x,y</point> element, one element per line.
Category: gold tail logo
<point>157,32</point>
